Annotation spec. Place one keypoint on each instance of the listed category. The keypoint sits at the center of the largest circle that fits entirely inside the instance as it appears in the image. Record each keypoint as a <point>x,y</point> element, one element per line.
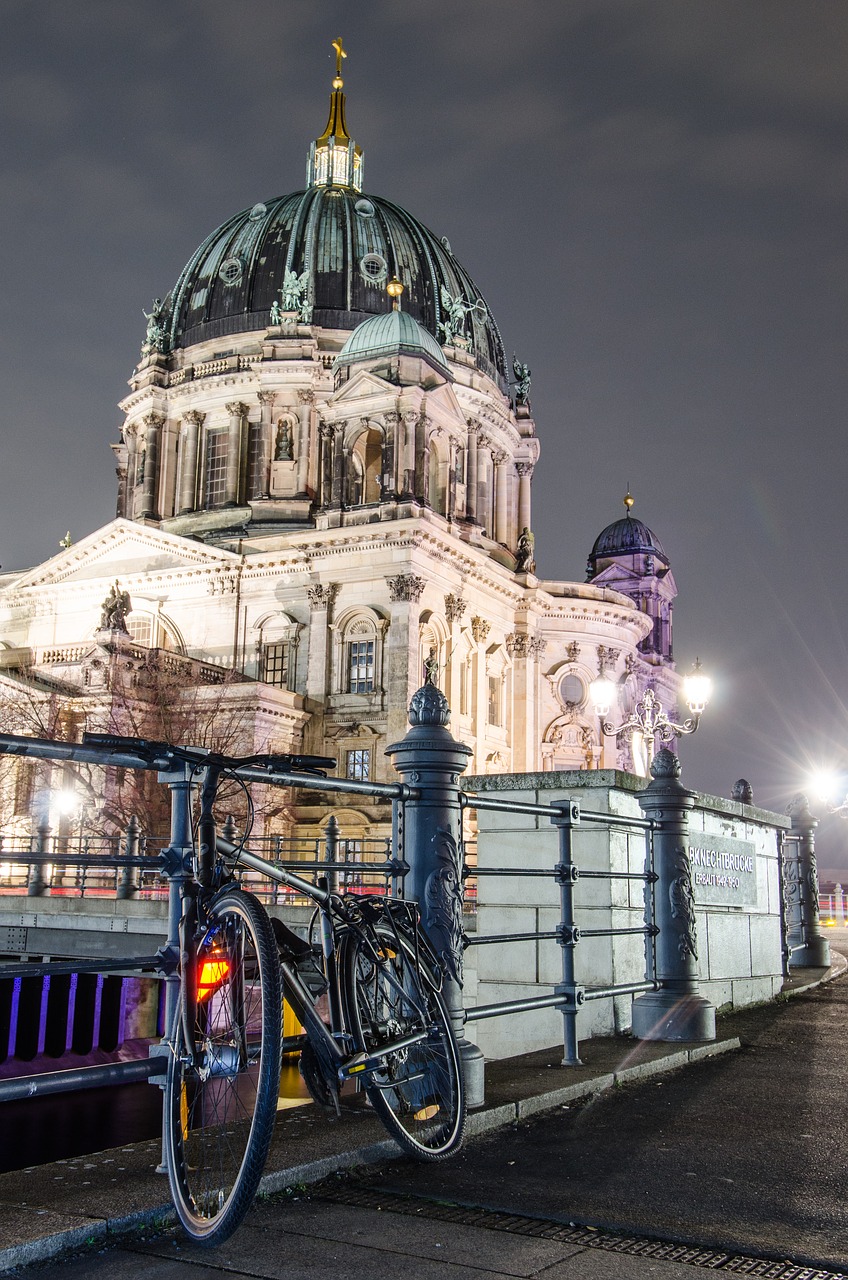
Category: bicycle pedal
<point>322,1091</point>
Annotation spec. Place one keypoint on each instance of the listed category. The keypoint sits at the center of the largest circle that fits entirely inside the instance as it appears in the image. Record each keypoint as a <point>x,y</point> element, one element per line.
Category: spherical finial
<point>628,500</point>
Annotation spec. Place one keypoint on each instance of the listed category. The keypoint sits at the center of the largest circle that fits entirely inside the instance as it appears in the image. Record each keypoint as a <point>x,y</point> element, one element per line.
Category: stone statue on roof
<point>522,381</point>
<point>114,610</point>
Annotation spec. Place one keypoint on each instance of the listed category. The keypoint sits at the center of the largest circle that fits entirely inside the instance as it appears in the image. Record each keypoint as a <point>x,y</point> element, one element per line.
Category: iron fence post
<point>569,934</point>
<point>128,882</point>
<point>807,947</point>
<point>331,852</point>
<point>430,760</point>
<point>37,884</point>
<point>677,1011</point>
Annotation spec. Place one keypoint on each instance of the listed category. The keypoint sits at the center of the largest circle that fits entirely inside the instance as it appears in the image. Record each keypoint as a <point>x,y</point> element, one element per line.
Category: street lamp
<point>648,720</point>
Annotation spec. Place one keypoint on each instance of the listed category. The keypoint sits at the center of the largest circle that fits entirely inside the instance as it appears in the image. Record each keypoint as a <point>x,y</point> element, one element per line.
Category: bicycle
<point>385,1029</point>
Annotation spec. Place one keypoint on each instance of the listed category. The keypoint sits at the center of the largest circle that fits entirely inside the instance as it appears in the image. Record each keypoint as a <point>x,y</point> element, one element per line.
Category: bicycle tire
<point>419,1094</point>
<point>221,1100</point>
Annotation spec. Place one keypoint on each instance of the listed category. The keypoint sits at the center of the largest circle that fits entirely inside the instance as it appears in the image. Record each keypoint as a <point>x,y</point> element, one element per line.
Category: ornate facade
<point>325,480</point>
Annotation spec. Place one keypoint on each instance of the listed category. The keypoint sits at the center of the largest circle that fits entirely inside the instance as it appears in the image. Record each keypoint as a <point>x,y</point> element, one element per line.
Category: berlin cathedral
<point>325,488</point>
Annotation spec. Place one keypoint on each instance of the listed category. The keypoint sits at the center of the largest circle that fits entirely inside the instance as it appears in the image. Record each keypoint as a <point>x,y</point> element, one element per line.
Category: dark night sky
<point>652,197</point>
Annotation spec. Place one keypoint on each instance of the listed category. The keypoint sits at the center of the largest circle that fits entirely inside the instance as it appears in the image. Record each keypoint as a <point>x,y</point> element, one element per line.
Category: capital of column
<point>321,597</point>
<point>236,409</point>
<point>306,395</point>
<point>524,469</point>
<point>194,418</point>
<point>405,586</point>
<point>266,398</point>
<point>154,419</point>
<point>480,629</point>
<point>454,607</point>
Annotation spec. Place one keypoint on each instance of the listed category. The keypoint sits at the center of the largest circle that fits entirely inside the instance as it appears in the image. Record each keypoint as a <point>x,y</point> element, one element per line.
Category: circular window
<point>365,208</point>
<point>257,212</point>
<point>572,691</point>
<point>374,268</point>
<point>231,270</point>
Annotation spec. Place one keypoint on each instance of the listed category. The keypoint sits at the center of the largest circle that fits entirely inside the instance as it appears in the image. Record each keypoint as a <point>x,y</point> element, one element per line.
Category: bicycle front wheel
<point>418,1090</point>
<point>224,1072</point>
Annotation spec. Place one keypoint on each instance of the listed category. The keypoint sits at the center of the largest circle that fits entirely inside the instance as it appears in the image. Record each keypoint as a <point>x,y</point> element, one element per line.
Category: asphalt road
<point>745,1153</point>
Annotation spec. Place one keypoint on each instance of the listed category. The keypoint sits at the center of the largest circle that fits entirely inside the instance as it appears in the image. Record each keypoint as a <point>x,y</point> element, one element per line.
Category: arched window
<point>358,652</point>
<point>153,631</point>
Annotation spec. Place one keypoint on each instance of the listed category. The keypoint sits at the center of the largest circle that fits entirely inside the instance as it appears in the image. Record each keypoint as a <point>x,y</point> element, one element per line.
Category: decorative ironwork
<point>681,899</point>
<point>443,904</point>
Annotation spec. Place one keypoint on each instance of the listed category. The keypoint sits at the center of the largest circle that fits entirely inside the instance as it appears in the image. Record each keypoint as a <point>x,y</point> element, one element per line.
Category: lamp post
<point>649,720</point>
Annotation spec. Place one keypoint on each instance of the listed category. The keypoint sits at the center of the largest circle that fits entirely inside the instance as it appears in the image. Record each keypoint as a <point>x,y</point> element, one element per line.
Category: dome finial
<point>334,159</point>
<point>628,500</point>
<point>395,291</point>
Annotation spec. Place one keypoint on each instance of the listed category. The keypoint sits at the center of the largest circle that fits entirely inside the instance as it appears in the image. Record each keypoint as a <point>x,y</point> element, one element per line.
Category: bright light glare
<point>824,785</point>
<point>697,689</point>
<point>67,802</point>
<point>603,694</point>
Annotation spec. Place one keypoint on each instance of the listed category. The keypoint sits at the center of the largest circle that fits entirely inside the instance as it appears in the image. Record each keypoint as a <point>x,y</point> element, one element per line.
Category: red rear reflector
<point>212,974</point>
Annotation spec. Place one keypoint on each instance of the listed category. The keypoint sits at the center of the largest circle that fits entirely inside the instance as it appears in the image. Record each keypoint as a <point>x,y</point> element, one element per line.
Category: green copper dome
<point>395,333</point>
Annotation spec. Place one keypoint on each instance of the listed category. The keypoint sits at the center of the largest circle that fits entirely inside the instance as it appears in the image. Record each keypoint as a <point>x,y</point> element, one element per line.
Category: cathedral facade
<point>325,479</point>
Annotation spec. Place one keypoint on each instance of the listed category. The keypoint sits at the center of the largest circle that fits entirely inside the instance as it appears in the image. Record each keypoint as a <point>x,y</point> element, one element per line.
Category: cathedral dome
<point>395,333</point>
<point>625,537</point>
<point>327,253</point>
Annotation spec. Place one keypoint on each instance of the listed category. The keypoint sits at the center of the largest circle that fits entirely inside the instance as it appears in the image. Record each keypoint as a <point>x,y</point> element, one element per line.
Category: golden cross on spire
<point>340,53</point>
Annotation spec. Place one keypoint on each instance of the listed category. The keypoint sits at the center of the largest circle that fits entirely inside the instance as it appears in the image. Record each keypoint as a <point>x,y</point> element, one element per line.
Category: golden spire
<point>628,500</point>
<point>335,159</point>
<point>338,83</point>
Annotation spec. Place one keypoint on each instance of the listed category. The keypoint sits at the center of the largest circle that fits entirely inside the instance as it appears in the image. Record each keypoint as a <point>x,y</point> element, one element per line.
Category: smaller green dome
<point>394,333</point>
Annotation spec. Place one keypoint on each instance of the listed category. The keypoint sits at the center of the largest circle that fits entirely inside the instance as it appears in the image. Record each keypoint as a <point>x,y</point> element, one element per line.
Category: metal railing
<point>569,995</point>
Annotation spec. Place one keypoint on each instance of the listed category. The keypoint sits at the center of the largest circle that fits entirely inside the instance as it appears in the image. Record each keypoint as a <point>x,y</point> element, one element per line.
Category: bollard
<point>677,1011</point>
<point>128,882</point>
<point>37,885</point>
<point>807,947</point>
<point>430,760</point>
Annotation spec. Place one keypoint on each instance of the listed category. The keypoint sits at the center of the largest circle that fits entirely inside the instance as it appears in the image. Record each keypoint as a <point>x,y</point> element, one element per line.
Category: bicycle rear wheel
<point>223,1080</point>
<point>418,1091</point>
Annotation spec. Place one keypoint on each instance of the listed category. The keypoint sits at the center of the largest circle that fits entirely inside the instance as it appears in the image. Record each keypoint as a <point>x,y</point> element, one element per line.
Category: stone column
<point>325,484</point>
<point>337,490</point>
<point>807,947</point>
<point>153,424</point>
<point>677,1011</point>
<point>501,498</point>
<point>305,401</point>
<point>480,629</point>
<point>422,459</point>
<point>431,760</point>
<point>131,441</point>
<point>525,472</point>
<point>454,609</point>
<point>484,505</point>
<point>189,441</point>
<point>407,482</point>
<point>321,598</point>
<point>261,480</point>
<point>237,412</point>
<point>471,478</point>
<point>401,661</point>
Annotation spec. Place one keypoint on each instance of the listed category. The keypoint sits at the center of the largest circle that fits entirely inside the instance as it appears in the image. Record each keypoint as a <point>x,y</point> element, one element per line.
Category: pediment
<point>124,549</point>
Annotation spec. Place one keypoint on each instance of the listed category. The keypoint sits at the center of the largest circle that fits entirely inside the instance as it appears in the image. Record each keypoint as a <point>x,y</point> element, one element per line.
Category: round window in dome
<point>258,212</point>
<point>365,208</point>
<point>572,691</point>
<point>374,268</point>
<point>231,270</point>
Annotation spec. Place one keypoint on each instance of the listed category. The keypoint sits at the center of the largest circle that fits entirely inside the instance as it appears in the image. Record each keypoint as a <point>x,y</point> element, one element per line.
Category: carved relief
<point>536,646</point>
<point>572,651</point>
<point>682,902</point>
<point>606,658</point>
<point>516,644</point>
<point>443,904</point>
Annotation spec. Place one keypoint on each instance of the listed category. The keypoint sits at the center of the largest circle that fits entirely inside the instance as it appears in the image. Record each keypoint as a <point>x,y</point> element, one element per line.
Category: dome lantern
<point>334,159</point>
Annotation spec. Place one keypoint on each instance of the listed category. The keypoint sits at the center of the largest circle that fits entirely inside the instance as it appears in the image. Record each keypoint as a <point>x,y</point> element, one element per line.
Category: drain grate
<point>590,1237</point>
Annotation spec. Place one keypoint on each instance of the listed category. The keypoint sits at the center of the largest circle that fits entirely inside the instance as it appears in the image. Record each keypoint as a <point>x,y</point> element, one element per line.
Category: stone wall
<point>738,925</point>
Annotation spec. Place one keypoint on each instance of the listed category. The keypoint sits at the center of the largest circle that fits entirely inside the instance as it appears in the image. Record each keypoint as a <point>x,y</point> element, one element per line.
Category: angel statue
<point>115,608</point>
<point>522,381</point>
<point>294,290</point>
<point>276,313</point>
